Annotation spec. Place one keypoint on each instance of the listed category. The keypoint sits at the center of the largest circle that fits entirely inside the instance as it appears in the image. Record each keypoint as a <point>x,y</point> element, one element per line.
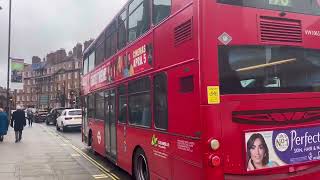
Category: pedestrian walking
<point>3,124</point>
<point>30,117</point>
<point>18,121</point>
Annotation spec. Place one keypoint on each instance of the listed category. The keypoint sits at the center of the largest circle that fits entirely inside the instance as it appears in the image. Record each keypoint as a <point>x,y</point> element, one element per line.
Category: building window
<point>75,75</point>
<point>138,19</point>
<point>139,102</point>
<point>69,75</point>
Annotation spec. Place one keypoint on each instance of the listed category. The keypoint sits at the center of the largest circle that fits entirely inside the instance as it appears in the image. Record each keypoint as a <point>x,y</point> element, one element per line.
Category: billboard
<point>267,149</point>
<point>36,66</point>
<point>17,66</point>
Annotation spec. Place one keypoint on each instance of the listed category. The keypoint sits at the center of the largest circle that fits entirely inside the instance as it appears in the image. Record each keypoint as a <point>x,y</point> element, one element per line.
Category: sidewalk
<point>43,155</point>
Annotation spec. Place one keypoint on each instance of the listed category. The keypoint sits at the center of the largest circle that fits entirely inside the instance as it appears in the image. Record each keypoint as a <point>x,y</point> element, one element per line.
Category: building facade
<point>53,81</point>
<point>3,97</point>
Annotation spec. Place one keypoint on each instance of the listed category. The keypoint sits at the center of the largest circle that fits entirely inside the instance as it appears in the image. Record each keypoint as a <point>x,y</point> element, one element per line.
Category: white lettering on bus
<point>139,56</point>
<point>312,33</point>
<point>305,139</point>
<point>139,51</point>
<point>98,77</point>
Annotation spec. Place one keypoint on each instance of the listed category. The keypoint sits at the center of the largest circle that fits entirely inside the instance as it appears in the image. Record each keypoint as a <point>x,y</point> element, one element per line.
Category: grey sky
<point>43,26</point>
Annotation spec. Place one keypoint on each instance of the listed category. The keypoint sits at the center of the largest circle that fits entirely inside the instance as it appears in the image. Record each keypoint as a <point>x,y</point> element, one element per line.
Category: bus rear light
<point>67,118</point>
<point>214,144</point>
<point>214,161</point>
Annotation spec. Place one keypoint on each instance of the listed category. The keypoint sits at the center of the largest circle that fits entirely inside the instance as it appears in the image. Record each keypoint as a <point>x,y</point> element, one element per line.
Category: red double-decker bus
<point>207,89</point>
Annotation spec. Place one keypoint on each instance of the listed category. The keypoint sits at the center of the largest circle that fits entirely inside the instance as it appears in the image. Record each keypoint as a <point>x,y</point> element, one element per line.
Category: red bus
<point>210,89</point>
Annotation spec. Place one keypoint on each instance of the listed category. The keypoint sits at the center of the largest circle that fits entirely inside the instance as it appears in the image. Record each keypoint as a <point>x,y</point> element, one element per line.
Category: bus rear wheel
<point>141,169</point>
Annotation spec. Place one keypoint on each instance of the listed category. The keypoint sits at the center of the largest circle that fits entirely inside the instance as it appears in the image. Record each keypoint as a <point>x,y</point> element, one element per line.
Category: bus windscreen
<point>297,6</point>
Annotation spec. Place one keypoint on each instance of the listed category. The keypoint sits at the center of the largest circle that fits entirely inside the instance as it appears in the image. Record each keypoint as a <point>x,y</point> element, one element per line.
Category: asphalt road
<point>74,136</point>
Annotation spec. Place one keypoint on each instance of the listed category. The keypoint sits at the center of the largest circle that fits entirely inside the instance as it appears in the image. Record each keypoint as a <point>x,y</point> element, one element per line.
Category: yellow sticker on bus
<point>213,94</point>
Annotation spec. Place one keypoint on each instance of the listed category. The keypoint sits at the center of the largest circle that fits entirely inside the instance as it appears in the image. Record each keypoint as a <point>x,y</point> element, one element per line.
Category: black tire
<point>57,127</point>
<point>140,166</point>
<point>63,128</point>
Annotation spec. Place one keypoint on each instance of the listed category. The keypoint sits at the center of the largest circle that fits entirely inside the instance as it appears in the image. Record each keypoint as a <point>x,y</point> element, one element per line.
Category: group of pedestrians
<point>18,122</point>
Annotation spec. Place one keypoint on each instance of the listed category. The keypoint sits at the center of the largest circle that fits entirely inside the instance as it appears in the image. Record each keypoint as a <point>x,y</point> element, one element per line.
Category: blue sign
<point>297,145</point>
<point>37,66</point>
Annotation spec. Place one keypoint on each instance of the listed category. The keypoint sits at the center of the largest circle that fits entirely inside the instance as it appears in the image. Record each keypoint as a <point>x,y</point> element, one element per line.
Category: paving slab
<point>42,155</point>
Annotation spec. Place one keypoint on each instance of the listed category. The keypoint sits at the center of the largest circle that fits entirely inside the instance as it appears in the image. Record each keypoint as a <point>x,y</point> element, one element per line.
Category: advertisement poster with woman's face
<point>267,149</point>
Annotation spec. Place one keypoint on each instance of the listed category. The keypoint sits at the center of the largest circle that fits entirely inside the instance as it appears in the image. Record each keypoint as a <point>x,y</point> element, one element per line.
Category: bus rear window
<point>298,6</point>
<point>265,69</point>
<point>74,113</point>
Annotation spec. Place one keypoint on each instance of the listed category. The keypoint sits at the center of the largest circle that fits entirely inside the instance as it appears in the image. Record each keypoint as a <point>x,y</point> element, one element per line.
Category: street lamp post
<point>9,45</point>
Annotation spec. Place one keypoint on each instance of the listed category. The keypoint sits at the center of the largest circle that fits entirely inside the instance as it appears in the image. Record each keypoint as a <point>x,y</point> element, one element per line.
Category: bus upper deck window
<point>161,10</point>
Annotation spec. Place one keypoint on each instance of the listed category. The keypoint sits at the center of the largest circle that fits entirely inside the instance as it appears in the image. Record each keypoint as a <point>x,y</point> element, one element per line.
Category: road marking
<point>75,155</point>
<point>100,176</point>
<point>98,165</point>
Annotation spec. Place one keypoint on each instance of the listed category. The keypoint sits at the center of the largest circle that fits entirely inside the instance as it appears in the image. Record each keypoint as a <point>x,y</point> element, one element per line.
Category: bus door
<point>110,124</point>
<point>85,131</point>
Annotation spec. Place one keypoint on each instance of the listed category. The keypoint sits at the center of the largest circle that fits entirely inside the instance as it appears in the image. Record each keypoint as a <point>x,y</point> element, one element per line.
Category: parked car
<point>69,118</point>
<point>40,116</point>
<point>54,114</point>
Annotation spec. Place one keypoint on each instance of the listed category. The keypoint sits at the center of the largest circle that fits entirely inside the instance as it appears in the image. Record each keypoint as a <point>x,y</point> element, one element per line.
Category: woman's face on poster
<point>257,151</point>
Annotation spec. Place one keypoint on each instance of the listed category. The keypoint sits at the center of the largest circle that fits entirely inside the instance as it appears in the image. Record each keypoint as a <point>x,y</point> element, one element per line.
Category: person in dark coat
<point>3,124</point>
<point>18,122</point>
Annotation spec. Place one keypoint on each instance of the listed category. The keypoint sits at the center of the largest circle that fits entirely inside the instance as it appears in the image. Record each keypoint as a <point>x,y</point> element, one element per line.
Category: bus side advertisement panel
<point>282,147</point>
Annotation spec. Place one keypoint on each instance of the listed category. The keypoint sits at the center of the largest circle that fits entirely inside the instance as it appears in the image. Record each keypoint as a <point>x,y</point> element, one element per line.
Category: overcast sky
<point>43,26</point>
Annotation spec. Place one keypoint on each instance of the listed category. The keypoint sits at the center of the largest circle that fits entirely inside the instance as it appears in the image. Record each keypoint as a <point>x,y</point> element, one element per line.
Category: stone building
<point>53,81</point>
<point>3,97</point>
